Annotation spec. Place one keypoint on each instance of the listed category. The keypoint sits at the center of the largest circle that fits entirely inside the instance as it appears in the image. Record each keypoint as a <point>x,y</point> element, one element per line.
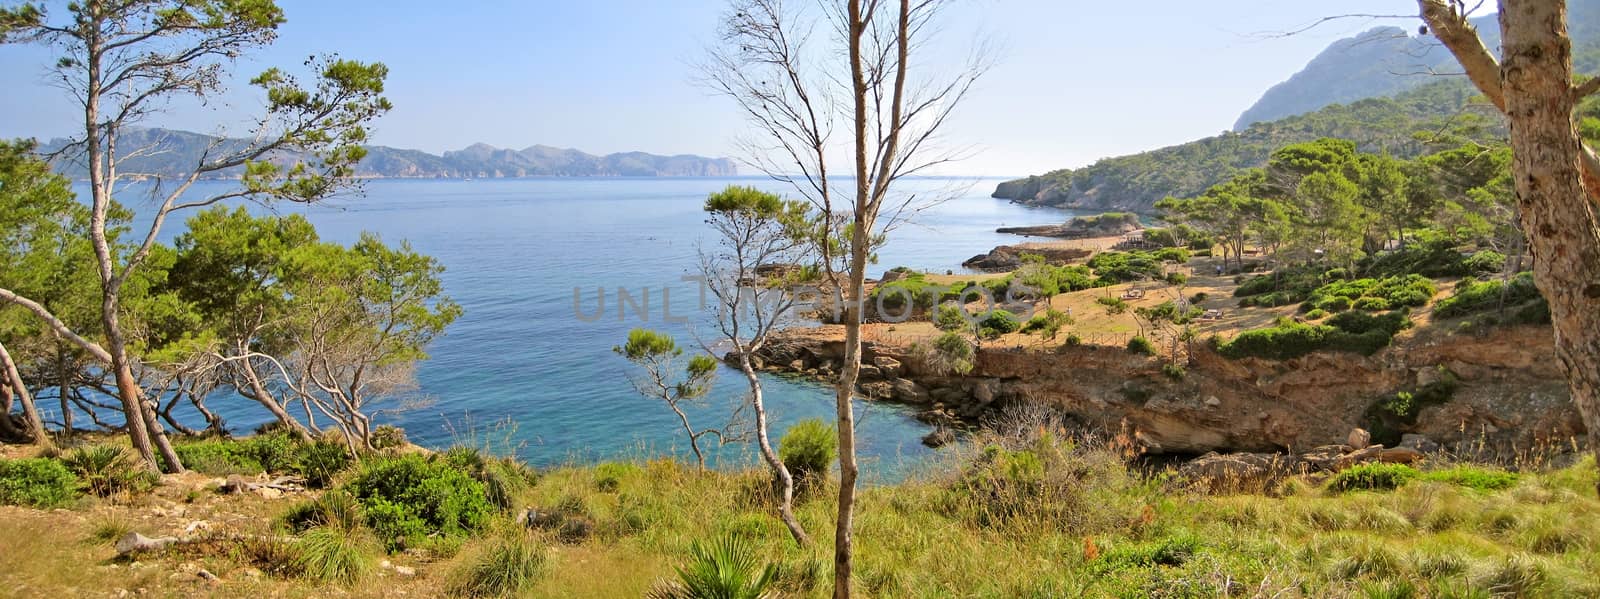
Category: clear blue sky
<point>1077,80</point>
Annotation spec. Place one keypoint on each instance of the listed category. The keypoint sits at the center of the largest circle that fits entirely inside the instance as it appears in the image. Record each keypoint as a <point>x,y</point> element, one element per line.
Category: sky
<point>1075,81</point>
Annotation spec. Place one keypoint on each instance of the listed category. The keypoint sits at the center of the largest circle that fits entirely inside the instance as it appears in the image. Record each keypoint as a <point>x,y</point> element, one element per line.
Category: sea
<point>528,368</point>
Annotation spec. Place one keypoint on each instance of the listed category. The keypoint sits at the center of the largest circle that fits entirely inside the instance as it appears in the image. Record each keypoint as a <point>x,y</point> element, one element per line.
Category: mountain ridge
<point>180,150</point>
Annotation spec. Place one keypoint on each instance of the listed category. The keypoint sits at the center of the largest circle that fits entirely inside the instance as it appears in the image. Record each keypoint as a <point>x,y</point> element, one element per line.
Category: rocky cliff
<point>1509,396</point>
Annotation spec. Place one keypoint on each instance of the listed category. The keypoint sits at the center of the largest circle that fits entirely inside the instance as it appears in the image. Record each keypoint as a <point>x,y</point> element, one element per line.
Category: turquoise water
<point>515,250</point>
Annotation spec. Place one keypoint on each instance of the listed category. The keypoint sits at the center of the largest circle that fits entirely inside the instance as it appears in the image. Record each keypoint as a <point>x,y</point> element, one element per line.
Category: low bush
<point>36,482</point>
<point>1045,481</point>
<point>727,568</point>
<point>507,565</point>
<point>1176,278</point>
<point>1047,324</point>
<point>1373,477</point>
<point>1371,304</point>
<point>1474,477</point>
<point>270,452</point>
<point>1430,258</point>
<point>1361,322</point>
<point>319,461</point>
<point>107,470</point>
<point>998,322</point>
<point>1388,416</point>
<point>1292,339</point>
<point>1317,314</point>
<point>1472,296</point>
<point>950,317</point>
<point>1114,305</point>
<point>1121,267</point>
<point>503,478</point>
<point>388,436</point>
<point>808,449</point>
<point>337,555</point>
<point>1142,346</point>
<point>411,496</point>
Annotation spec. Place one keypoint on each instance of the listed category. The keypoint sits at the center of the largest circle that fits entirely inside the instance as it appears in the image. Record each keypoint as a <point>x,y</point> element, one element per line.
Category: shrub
<point>1199,297</point>
<point>36,482</point>
<point>808,448</point>
<point>608,476</point>
<point>1174,370</point>
<point>1047,324</point>
<point>507,566</point>
<point>1386,417</point>
<point>1430,258</point>
<point>1043,481</point>
<point>1122,267</point>
<point>997,323</point>
<point>338,555</point>
<point>1372,476</point>
<point>1114,305</point>
<point>1317,314</point>
<point>270,452</point>
<point>334,508</point>
<point>950,317</point>
<point>1361,322</point>
<point>1371,304</point>
<point>727,568</point>
<point>1484,262</point>
<point>1291,339</point>
<point>106,470</point>
<point>1073,340</point>
<point>949,353</point>
<point>1472,477</point>
<point>1477,296</point>
<point>1140,345</point>
<point>388,436</point>
<point>409,496</point>
<point>320,461</point>
<point>1176,278</point>
<point>502,478</point>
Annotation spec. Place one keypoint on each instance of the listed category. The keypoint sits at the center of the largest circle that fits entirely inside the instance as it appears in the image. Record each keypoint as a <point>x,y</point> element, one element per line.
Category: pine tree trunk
<point>1557,213</point>
<point>30,413</point>
<point>785,478</point>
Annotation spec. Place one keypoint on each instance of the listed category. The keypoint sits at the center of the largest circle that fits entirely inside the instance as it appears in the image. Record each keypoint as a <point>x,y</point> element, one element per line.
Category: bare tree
<point>1556,175</point>
<point>11,380</point>
<point>756,229</point>
<point>122,62</point>
<point>659,356</point>
<point>796,95</point>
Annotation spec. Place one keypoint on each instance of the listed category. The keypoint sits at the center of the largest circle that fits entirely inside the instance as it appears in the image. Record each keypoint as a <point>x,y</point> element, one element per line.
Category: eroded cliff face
<point>1510,396</point>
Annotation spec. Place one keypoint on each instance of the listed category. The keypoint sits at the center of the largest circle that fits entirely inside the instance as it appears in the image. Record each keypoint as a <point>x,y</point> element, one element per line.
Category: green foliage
<point>1388,416</point>
<point>914,290</point>
<point>107,470</point>
<point>1373,294</point>
<point>1361,322</point>
<point>808,449</point>
<point>1045,280</point>
<point>726,568</point>
<point>336,509</point>
<point>36,482</point>
<point>950,353</point>
<point>1141,346</point>
<point>1317,314</point>
<point>1291,340</point>
<point>338,555</point>
<point>950,317</point>
<point>1186,170</point>
<point>1474,477</point>
<point>1120,267</point>
<point>998,322</point>
<point>1048,324</point>
<point>1044,481</point>
<point>1114,305</point>
<point>319,461</point>
<point>388,436</point>
<point>1473,296</point>
<point>411,496</point>
<point>508,565</point>
<point>1372,476</point>
<point>274,452</point>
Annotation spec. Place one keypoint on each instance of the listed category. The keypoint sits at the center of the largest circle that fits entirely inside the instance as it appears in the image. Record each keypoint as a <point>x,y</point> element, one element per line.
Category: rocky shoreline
<point>1511,398</point>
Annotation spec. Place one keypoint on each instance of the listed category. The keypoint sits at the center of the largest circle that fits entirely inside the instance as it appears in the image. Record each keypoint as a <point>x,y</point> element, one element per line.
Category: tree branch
<point>1447,19</point>
<point>59,327</point>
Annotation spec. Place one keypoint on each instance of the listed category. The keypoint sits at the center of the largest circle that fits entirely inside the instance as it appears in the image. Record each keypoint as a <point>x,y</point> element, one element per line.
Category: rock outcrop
<point>1510,394</point>
<point>1009,257</point>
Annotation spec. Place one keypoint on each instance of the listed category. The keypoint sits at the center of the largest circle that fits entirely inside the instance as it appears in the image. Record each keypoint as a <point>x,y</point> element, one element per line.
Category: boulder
<point>1234,471</point>
<point>909,391</point>
<point>1420,443</point>
<point>1358,437</point>
<point>939,437</point>
<point>1400,455</point>
<point>870,372</point>
<point>890,367</point>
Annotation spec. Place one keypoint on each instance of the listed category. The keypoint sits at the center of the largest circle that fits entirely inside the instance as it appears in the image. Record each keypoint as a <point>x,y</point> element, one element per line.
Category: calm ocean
<point>515,250</point>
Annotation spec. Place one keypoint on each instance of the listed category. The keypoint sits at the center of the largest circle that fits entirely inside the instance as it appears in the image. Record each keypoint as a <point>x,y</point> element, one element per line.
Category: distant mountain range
<point>181,150</point>
<point>1374,88</point>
